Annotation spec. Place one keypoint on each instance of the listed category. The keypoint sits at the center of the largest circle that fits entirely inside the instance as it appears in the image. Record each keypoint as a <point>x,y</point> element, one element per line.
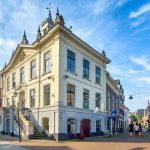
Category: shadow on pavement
<point>123,138</point>
<point>138,148</point>
<point>33,147</point>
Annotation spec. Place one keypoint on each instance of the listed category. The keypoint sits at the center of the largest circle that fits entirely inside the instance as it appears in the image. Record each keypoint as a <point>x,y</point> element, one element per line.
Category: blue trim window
<point>85,69</point>
<point>98,75</point>
<point>70,61</point>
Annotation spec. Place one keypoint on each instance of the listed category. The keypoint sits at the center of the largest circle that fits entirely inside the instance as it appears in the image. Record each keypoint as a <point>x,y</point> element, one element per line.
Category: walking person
<point>140,130</point>
<point>131,128</point>
<point>136,129</point>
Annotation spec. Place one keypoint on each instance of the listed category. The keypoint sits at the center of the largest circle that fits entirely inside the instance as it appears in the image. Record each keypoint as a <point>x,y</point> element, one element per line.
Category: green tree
<point>133,118</point>
<point>140,117</point>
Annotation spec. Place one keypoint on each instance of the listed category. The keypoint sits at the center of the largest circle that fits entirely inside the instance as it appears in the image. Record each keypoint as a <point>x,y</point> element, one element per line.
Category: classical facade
<point>57,83</point>
<point>114,103</point>
<point>1,91</point>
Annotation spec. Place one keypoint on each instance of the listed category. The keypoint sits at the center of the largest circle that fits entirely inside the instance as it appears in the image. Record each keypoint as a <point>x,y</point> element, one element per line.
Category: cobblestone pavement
<point>120,142</point>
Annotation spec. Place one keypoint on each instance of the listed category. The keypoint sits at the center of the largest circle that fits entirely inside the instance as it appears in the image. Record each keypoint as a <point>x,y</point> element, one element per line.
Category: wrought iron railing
<point>20,122</point>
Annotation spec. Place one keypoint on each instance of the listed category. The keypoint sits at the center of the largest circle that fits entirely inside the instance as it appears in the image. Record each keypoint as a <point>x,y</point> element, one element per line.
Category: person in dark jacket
<point>131,129</point>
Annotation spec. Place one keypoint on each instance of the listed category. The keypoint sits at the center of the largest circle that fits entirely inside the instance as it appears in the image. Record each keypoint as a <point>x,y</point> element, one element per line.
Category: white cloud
<point>142,61</point>
<point>144,79</point>
<point>101,5</point>
<point>137,22</point>
<point>7,45</point>
<point>121,2</point>
<point>145,8</point>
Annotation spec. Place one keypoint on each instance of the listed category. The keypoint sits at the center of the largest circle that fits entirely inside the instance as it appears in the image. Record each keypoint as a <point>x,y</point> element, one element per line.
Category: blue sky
<point>120,27</point>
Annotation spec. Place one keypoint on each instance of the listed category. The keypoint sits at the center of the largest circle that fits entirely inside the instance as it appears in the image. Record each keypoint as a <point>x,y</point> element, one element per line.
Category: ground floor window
<point>45,124</point>
<point>71,126</point>
<point>108,123</point>
<point>98,125</point>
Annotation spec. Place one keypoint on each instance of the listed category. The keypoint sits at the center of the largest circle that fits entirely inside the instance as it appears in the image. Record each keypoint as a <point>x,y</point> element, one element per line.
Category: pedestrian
<point>140,130</point>
<point>131,128</point>
<point>136,129</point>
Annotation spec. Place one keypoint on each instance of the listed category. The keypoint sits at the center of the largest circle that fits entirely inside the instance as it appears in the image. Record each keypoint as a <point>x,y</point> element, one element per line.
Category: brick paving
<point>120,142</point>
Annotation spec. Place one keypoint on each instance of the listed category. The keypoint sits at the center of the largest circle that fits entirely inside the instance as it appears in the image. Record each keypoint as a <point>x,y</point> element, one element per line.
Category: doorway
<point>7,126</point>
<point>85,127</point>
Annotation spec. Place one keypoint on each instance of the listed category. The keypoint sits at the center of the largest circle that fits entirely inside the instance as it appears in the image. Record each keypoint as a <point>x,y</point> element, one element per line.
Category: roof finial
<point>103,53</point>
<point>49,12</point>
<point>57,14</point>
<point>24,39</point>
<point>38,34</point>
<point>5,65</point>
<point>59,18</point>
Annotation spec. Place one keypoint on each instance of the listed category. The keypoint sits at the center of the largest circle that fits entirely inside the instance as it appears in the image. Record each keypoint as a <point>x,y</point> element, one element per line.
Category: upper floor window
<point>113,102</point>
<point>108,100</point>
<point>32,98</point>
<point>14,80</point>
<point>70,95</point>
<point>8,83</point>
<point>47,95</point>
<point>22,75</point>
<point>86,99</point>
<point>98,100</point>
<point>8,102</point>
<point>70,61</point>
<point>33,69</point>
<point>13,100</point>
<point>98,75</point>
<point>47,62</point>
<point>85,69</point>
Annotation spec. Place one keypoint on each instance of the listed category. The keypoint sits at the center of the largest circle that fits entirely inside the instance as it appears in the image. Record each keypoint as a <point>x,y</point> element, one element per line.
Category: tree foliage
<point>133,118</point>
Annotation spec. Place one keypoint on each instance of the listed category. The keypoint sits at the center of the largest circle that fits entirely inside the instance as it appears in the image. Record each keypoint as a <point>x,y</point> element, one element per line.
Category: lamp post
<point>15,95</point>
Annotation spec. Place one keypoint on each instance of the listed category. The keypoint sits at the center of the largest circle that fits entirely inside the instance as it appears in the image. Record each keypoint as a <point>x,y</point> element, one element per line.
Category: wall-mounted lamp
<point>51,77</point>
<point>66,76</point>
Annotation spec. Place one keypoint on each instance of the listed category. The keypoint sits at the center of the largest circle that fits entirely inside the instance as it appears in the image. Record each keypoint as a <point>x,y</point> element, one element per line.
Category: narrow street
<point>120,142</point>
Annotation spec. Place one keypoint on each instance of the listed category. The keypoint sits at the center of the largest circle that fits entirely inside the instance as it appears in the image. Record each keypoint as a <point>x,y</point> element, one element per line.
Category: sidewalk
<point>120,142</point>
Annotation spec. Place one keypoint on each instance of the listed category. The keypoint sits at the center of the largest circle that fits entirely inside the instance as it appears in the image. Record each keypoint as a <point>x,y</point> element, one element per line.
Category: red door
<point>85,127</point>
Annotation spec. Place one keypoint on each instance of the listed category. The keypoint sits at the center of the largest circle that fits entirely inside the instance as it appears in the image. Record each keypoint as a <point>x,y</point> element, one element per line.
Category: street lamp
<point>15,95</point>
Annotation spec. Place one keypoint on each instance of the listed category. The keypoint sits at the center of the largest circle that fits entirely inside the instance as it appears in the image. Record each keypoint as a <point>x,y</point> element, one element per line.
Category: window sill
<point>98,83</point>
<point>71,72</point>
<point>86,79</point>
<point>33,78</point>
<point>45,73</point>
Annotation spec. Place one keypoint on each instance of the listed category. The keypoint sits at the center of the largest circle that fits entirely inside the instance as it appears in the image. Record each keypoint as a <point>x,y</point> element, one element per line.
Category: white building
<point>60,80</point>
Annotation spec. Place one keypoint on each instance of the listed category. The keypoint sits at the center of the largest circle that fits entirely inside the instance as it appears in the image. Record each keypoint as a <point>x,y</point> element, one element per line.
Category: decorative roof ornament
<point>38,37</point>
<point>49,12</point>
<point>59,18</point>
<point>12,53</point>
<point>5,65</point>
<point>57,14</point>
<point>103,53</point>
<point>24,39</point>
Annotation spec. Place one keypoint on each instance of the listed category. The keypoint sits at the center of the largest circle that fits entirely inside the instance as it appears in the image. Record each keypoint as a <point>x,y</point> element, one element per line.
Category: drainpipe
<point>39,84</point>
